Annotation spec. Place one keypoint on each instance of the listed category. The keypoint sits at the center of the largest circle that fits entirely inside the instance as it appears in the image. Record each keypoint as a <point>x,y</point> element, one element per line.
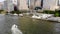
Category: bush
<point>12,12</point>
<point>48,11</point>
<point>17,12</point>
<point>23,11</point>
<point>1,11</point>
<point>57,13</point>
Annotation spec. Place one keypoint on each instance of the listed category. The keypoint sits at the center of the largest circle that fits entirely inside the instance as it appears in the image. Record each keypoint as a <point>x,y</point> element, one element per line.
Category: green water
<point>34,26</point>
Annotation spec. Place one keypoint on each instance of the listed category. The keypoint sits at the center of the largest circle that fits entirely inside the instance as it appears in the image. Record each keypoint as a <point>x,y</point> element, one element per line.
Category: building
<point>50,4</point>
<point>22,5</point>
<point>8,5</point>
<point>1,5</point>
<point>15,3</point>
<point>31,4</point>
<point>41,4</point>
<point>44,4</point>
<point>5,5</point>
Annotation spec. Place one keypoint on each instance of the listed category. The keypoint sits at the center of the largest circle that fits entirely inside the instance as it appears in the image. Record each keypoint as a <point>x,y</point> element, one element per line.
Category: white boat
<point>42,16</point>
<point>37,17</point>
<point>20,14</point>
<point>15,14</point>
<point>15,30</point>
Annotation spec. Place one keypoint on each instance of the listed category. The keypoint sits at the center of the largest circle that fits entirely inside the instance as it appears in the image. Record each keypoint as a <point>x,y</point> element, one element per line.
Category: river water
<point>28,25</point>
<point>6,22</point>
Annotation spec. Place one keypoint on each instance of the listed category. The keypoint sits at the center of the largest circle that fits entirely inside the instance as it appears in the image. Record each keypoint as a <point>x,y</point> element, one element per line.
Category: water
<point>28,25</point>
<point>6,22</point>
<point>34,26</point>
